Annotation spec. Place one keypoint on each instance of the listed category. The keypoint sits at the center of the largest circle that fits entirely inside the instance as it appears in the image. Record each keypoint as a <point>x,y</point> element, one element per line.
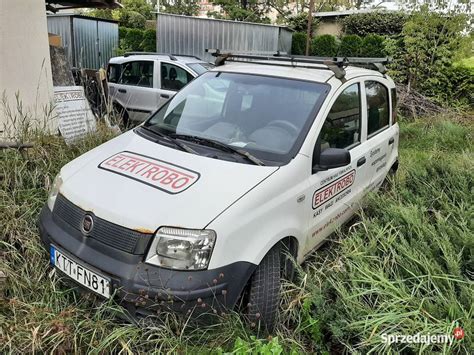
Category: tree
<point>431,42</point>
<point>181,7</point>
<point>242,10</point>
<point>133,14</point>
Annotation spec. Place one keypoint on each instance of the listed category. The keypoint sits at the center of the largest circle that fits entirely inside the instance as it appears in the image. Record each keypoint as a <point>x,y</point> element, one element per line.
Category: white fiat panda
<point>197,209</point>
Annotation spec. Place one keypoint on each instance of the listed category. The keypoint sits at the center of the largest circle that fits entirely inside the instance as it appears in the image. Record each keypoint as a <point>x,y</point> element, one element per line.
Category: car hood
<point>143,185</point>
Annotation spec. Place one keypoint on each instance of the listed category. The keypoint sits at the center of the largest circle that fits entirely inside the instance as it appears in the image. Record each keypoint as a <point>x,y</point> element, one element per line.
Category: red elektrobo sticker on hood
<point>162,175</point>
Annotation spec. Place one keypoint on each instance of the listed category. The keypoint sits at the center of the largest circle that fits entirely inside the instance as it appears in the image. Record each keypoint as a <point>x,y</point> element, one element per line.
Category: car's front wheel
<point>263,293</point>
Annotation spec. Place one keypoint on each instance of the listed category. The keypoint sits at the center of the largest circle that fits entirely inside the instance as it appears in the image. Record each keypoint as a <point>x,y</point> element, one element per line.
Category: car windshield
<point>200,68</point>
<point>265,116</point>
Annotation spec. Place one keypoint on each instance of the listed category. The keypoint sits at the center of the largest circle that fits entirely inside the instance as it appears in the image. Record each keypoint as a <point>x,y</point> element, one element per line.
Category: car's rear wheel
<point>388,181</point>
<point>263,293</point>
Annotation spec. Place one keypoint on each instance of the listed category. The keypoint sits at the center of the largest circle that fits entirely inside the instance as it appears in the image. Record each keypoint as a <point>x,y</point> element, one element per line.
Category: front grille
<point>104,231</point>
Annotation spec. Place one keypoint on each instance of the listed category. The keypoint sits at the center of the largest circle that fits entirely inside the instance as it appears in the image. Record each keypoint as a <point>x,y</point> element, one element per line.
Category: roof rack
<point>171,56</point>
<point>187,55</point>
<point>335,64</point>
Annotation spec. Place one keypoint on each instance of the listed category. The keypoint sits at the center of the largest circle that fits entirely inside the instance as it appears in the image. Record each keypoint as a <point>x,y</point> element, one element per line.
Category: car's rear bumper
<point>146,288</point>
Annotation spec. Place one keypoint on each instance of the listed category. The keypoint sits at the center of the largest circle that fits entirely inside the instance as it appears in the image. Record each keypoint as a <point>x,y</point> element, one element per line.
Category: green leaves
<point>381,23</point>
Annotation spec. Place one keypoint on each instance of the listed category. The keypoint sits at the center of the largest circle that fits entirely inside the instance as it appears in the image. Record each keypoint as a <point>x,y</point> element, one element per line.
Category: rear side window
<point>138,73</point>
<point>113,73</point>
<point>173,77</point>
<point>342,126</point>
<point>377,106</point>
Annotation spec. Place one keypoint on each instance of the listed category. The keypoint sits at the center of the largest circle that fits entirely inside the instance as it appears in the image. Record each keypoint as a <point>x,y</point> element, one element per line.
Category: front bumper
<point>147,288</point>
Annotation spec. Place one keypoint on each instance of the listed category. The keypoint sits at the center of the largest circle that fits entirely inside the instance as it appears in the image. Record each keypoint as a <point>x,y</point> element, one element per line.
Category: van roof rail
<point>335,64</point>
<point>171,56</point>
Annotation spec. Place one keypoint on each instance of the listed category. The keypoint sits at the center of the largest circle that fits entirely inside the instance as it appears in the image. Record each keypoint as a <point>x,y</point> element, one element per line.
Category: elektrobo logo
<point>458,334</point>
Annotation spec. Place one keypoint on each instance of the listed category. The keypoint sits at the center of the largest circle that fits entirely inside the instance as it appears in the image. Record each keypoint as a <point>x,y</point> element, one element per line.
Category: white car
<point>140,82</point>
<point>198,208</point>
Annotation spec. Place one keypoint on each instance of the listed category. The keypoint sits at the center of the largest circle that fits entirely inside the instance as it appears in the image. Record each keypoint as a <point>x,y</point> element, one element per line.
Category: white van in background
<point>140,82</point>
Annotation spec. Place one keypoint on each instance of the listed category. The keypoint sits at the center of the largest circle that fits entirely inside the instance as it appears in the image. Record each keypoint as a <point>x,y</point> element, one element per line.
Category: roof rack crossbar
<point>335,64</point>
<point>186,55</point>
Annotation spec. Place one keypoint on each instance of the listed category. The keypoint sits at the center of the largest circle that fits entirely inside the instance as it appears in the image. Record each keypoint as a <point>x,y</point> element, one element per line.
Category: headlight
<point>54,191</point>
<point>183,249</point>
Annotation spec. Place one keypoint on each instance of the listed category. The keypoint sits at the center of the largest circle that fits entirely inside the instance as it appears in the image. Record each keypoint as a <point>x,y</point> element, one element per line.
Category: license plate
<point>85,276</point>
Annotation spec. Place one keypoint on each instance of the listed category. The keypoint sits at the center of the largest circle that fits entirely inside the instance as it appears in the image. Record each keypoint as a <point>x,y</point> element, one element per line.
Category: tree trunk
<point>309,33</point>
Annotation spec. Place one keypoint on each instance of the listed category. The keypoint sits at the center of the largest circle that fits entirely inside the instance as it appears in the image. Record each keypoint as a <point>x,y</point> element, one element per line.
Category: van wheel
<point>264,291</point>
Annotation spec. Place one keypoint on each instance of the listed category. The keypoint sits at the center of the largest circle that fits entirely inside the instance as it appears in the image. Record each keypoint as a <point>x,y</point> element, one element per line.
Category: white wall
<point>25,66</point>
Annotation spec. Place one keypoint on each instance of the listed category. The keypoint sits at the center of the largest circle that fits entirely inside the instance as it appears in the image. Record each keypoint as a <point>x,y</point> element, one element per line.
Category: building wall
<point>192,35</point>
<point>25,62</point>
<point>329,27</point>
<point>89,42</point>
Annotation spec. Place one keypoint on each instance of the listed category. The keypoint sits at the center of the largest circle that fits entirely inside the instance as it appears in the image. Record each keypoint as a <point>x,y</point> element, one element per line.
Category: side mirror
<point>332,158</point>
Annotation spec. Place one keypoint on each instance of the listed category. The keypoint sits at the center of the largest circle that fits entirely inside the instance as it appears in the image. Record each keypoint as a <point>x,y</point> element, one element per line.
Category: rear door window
<point>173,77</point>
<point>377,106</point>
<point>137,73</point>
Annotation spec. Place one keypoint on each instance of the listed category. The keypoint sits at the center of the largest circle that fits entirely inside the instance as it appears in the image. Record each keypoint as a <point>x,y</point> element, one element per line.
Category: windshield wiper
<point>167,138</point>
<point>222,146</point>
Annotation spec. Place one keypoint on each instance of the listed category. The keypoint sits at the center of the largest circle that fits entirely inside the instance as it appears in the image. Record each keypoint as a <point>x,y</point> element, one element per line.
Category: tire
<point>264,291</point>
<point>387,182</point>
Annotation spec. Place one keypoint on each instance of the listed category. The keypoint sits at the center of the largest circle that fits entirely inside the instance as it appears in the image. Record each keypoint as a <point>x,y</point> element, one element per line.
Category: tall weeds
<point>405,266</point>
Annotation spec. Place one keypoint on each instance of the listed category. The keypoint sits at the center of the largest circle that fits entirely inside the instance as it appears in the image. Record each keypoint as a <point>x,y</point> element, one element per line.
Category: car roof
<point>167,57</point>
<point>316,73</point>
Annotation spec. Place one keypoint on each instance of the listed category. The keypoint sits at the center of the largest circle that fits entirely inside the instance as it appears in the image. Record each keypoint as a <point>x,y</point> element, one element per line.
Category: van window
<point>377,106</point>
<point>173,77</point>
<point>342,126</point>
<point>138,73</point>
<point>113,73</point>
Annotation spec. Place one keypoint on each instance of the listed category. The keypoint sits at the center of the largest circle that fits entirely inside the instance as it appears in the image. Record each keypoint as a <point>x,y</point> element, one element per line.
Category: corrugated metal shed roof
<point>56,5</point>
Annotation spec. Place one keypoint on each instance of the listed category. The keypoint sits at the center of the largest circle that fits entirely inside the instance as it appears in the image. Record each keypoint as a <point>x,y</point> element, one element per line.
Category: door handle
<point>361,161</point>
<point>165,96</point>
<point>123,91</point>
<point>391,141</point>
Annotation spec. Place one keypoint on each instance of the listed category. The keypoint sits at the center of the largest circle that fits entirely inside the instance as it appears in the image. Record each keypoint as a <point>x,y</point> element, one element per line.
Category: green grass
<point>405,266</point>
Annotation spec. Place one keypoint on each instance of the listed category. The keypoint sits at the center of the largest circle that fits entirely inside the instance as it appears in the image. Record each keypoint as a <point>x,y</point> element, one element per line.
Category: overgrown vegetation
<point>381,23</point>
<point>134,39</point>
<point>405,266</point>
<point>429,50</point>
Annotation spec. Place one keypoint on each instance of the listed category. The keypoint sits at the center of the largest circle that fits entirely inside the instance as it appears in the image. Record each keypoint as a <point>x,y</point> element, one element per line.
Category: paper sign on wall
<point>75,116</point>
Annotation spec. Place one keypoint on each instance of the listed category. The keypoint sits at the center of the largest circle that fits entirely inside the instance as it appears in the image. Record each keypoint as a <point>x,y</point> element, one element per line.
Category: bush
<point>425,52</point>
<point>324,46</point>
<point>454,84</point>
<point>382,23</point>
<point>149,41</point>
<point>350,46</point>
<point>298,43</point>
<point>299,23</point>
<point>133,39</point>
<point>373,46</point>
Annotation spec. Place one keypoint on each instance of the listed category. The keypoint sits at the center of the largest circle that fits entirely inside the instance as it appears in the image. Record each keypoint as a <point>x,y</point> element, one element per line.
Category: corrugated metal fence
<point>89,42</point>
<point>191,36</point>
